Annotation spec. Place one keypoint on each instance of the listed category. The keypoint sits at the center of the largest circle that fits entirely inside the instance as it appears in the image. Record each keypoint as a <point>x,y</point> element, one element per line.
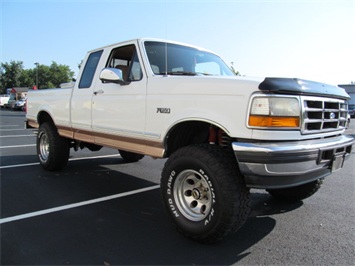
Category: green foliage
<point>14,75</point>
<point>10,74</point>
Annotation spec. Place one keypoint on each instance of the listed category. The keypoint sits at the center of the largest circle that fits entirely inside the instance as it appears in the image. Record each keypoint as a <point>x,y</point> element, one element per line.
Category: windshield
<point>173,59</point>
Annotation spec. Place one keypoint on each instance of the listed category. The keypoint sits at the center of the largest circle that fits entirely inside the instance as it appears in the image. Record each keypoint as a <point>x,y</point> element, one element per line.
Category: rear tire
<point>204,193</point>
<point>130,157</point>
<point>296,193</point>
<point>52,149</point>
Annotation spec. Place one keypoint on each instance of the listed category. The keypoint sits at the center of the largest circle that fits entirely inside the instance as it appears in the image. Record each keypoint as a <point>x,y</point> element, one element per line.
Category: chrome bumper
<point>287,164</point>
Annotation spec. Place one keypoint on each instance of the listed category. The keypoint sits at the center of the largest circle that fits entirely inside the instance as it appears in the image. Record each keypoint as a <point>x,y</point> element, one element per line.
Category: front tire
<point>296,193</point>
<point>52,149</point>
<point>204,193</point>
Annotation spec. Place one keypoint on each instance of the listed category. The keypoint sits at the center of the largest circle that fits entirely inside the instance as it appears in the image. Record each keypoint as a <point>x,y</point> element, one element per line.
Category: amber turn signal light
<point>273,121</point>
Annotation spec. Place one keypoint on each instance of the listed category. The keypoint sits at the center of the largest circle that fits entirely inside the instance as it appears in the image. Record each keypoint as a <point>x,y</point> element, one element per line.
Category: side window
<point>126,59</point>
<point>89,70</point>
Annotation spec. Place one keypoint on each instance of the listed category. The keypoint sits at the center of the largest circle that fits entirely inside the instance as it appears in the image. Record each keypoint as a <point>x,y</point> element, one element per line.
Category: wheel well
<point>44,117</point>
<point>194,132</point>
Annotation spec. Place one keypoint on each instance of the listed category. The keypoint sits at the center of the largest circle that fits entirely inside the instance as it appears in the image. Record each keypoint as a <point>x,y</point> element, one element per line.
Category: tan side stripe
<point>144,146</point>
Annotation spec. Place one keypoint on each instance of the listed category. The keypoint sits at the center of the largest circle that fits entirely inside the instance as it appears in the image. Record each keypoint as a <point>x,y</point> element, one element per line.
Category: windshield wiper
<point>179,73</point>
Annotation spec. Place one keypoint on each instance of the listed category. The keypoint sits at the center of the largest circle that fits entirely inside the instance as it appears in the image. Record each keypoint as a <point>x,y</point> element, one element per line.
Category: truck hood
<point>241,85</point>
<point>204,85</point>
<point>302,87</point>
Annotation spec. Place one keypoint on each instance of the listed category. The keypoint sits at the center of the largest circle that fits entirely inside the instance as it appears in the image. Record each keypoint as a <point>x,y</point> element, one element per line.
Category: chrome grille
<point>323,114</point>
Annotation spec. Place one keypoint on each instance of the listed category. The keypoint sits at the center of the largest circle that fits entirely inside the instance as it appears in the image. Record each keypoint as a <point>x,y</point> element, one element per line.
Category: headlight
<point>274,112</point>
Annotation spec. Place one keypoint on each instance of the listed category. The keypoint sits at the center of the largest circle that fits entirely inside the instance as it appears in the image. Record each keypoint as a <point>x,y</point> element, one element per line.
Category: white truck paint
<point>4,99</point>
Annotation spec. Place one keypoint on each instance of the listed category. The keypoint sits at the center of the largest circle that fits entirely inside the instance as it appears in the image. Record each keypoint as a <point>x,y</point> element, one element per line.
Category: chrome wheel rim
<point>193,195</point>
<point>44,147</point>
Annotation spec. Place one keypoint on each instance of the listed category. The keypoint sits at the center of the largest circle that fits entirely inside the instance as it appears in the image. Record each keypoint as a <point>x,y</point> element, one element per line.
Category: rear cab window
<point>90,69</point>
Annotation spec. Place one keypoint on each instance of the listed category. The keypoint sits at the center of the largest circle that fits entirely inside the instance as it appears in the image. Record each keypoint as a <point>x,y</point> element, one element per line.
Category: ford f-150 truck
<point>222,134</point>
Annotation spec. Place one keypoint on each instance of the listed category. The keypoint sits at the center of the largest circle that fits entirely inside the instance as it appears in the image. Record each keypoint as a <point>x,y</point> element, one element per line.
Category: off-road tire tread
<point>234,191</point>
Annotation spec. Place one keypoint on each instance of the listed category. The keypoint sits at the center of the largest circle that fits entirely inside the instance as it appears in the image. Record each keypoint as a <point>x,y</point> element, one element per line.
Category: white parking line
<point>72,159</point>
<point>17,136</point>
<point>75,205</point>
<point>18,165</point>
<point>9,126</point>
<point>17,146</point>
<point>12,129</point>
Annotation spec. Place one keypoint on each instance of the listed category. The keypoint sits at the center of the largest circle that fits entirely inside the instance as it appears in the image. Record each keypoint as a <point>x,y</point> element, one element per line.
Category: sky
<point>307,39</point>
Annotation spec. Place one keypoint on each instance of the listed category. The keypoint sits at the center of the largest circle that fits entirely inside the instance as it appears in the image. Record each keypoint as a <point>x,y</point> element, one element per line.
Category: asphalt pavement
<point>102,211</point>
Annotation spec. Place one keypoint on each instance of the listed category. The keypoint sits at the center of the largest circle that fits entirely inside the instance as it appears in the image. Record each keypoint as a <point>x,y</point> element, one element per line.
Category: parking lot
<point>102,211</point>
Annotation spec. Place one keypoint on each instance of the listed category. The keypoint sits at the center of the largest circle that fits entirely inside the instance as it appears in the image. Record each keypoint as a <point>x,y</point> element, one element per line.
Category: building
<point>19,92</point>
<point>350,89</point>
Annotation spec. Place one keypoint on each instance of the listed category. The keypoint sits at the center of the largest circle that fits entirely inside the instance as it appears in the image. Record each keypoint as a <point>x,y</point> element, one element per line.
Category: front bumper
<point>288,164</point>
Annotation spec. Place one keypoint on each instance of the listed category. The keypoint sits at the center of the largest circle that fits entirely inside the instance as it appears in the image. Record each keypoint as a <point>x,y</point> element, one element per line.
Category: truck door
<point>118,111</point>
<point>81,99</point>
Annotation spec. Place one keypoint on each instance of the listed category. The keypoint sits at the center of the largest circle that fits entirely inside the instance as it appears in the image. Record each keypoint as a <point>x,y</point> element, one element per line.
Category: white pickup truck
<point>222,134</point>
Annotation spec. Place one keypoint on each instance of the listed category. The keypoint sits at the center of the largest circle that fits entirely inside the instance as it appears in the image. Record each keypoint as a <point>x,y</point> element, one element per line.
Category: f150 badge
<point>163,110</point>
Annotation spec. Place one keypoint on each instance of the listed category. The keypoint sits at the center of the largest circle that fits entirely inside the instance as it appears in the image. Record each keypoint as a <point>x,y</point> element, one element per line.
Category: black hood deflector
<point>302,87</point>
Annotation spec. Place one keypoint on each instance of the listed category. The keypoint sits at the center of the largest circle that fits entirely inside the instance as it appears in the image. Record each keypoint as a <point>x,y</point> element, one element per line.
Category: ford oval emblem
<point>332,115</point>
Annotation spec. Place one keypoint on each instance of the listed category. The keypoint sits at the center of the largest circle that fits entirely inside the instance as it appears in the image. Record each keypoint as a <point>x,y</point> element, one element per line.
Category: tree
<point>27,78</point>
<point>60,74</point>
<point>10,74</point>
<point>52,76</point>
<point>14,75</point>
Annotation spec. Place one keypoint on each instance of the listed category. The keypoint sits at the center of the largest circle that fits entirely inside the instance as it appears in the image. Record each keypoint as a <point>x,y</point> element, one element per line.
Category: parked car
<point>4,99</point>
<point>11,102</point>
<point>19,104</point>
<point>351,110</point>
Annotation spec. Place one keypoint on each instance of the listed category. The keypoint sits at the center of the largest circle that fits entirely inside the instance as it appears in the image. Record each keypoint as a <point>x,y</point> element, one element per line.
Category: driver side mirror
<point>112,75</point>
